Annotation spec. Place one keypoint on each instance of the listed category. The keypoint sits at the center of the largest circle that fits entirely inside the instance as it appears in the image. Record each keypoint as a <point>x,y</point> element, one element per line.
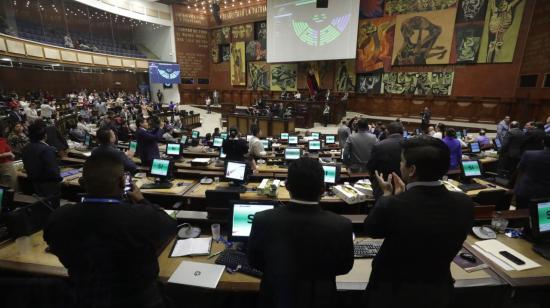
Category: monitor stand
<point>162,183</point>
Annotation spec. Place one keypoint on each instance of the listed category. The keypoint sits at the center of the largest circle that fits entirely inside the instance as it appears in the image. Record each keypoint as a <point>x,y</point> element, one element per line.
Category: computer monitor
<point>540,219</point>
<point>405,134</point>
<point>330,139</point>
<point>161,168</point>
<point>316,136</point>
<point>292,139</point>
<point>224,135</point>
<point>475,148</point>
<point>88,140</point>
<point>133,146</point>
<point>217,142</point>
<point>332,174</point>
<point>183,139</point>
<point>242,217</point>
<point>236,172</point>
<point>266,144</point>
<point>471,169</point>
<point>284,136</point>
<point>195,134</point>
<point>173,149</point>
<point>293,153</point>
<point>314,145</point>
<point>459,135</point>
<point>249,137</point>
<point>497,143</point>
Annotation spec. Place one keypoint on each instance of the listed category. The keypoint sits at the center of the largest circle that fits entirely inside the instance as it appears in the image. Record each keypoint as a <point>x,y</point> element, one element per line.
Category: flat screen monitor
<point>183,139</point>
<point>284,136</point>
<point>497,143</point>
<point>316,136</point>
<point>292,139</point>
<point>314,145</point>
<point>235,171</point>
<point>292,153</point>
<point>475,148</point>
<point>471,168</point>
<point>160,167</point>
<point>249,137</point>
<point>173,149</point>
<point>224,135</point>
<point>133,146</point>
<point>217,142</point>
<point>266,144</point>
<point>540,218</point>
<point>332,174</point>
<point>330,139</point>
<point>243,216</point>
<point>195,134</point>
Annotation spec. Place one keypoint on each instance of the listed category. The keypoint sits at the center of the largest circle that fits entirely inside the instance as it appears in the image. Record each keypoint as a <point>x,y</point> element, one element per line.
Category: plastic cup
<point>216,234</point>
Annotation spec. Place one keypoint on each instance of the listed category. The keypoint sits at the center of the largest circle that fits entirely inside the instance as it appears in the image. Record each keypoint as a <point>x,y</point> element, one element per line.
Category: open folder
<point>192,246</point>
<point>491,249</point>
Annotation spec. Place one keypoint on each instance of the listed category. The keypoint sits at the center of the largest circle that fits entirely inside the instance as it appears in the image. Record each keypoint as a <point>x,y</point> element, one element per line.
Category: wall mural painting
<point>471,11</point>
<point>371,8</point>
<point>394,7</point>
<point>283,77</point>
<point>225,53</point>
<point>467,41</point>
<point>258,76</point>
<point>424,38</point>
<point>242,32</point>
<point>370,83</point>
<point>238,67</point>
<point>260,30</point>
<point>345,76</point>
<point>426,83</point>
<point>215,54</point>
<point>374,44</point>
<point>500,34</point>
<point>256,51</point>
<point>221,36</point>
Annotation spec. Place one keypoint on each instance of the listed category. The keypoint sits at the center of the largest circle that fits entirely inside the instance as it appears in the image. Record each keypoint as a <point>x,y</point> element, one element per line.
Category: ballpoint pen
<point>212,256</point>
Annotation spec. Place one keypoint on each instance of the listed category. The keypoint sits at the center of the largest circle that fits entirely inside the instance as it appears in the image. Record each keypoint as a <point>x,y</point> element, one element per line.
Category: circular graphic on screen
<point>319,30</point>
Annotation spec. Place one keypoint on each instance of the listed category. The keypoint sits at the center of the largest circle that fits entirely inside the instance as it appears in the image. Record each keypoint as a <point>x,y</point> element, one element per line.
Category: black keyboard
<point>237,189</point>
<point>156,186</point>
<point>233,258</point>
<point>472,186</point>
<point>366,249</point>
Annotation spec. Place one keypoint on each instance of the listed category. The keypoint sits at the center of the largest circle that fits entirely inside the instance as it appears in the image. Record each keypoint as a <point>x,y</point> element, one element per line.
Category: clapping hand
<point>388,186</point>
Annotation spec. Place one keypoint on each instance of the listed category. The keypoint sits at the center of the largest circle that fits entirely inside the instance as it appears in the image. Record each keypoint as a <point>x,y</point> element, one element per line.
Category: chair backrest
<point>218,203</point>
<point>483,212</point>
<point>499,198</point>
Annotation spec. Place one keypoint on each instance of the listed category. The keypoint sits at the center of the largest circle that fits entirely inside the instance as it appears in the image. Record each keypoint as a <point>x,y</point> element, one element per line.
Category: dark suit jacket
<point>55,138</point>
<point>235,149</point>
<point>511,145</point>
<point>40,162</point>
<point>534,181</point>
<point>533,140</point>
<point>386,158</point>
<point>147,144</point>
<point>300,249</point>
<point>424,228</point>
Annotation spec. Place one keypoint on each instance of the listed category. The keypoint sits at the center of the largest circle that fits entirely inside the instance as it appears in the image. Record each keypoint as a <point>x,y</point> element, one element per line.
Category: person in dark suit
<point>534,137</point>
<point>386,156</point>
<point>40,162</point>
<point>56,139</point>
<point>107,140</point>
<point>426,116</point>
<point>234,147</point>
<point>299,247</point>
<point>510,153</point>
<point>533,175</point>
<point>423,226</point>
<point>110,246</point>
<point>147,141</point>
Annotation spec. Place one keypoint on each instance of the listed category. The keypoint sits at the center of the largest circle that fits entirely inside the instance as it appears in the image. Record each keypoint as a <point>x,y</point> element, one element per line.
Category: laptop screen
<point>329,139</point>
<point>223,135</point>
<point>265,144</point>
<point>330,174</point>
<point>284,136</point>
<point>471,168</point>
<point>292,154</point>
<point>474,147</point>
<point>293,140</point>
<point>195,134</point>
<point>133,146</point>
<point>315,145</point>
<point>183,139</point>
<point>243,215</point>
<point>315,135</point>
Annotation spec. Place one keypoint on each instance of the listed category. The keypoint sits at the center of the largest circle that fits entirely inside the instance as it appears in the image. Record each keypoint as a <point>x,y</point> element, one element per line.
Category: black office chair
<point>218,204</point>
<point>499,198</point>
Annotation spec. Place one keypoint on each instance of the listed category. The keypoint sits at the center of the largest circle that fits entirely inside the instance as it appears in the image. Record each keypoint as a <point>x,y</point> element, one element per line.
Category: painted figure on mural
<point>416,52</point>
<point>501,19</point>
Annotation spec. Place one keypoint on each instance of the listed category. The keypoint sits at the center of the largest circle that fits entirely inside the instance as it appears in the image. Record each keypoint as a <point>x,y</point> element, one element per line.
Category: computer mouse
<point>468,257</point>
<point>484,233</point>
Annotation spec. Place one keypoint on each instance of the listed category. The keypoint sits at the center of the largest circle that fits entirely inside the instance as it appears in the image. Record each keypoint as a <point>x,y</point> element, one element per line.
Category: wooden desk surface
<point>35,260</point>
<point>199,192</point>
<point>473,193</point>
<point>533,277</point>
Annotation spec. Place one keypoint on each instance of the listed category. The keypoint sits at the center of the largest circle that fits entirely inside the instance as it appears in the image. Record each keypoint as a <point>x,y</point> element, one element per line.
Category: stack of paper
<point>492,248</point>
<point>192,246</point>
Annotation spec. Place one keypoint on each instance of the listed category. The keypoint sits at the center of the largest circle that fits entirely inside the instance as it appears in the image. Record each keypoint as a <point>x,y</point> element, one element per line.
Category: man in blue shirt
<point>503,127</point>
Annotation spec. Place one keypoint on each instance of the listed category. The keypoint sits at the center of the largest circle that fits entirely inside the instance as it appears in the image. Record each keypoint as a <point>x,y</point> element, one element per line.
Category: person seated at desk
<point>168,135</point>
<point>533,179</point>
<point>300,248</point>
<point>483,140</point>
<point>196,147</point>
<point>110,246</point>
<point>423,225</point>
<point>40,162</point>
<point>234,147</point>
<point>147,141</point>
<point>216,133</point>
<point>255,146</point>
<point>455,148</point>
<point>107,141</point>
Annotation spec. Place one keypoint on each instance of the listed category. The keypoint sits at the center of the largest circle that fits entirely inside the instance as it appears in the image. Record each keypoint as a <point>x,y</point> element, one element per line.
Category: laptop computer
<point>198,274</point>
